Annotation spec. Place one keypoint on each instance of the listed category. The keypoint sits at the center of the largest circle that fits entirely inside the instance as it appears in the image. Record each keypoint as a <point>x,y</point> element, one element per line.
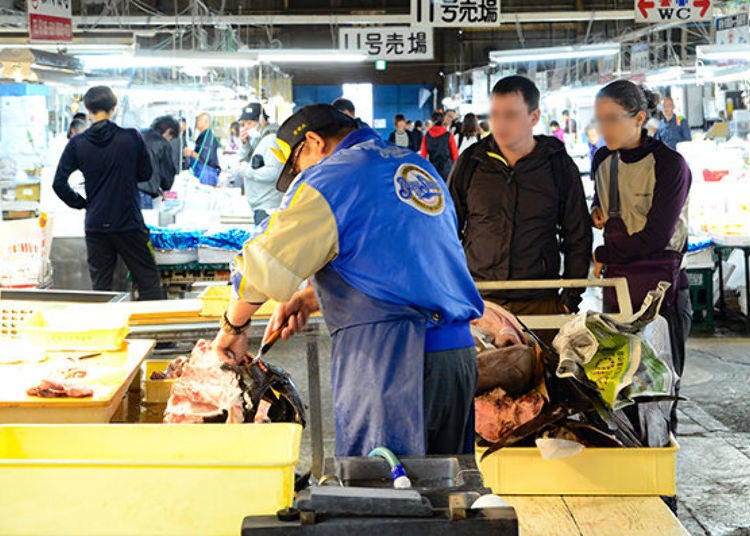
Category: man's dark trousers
<point>136,251</point>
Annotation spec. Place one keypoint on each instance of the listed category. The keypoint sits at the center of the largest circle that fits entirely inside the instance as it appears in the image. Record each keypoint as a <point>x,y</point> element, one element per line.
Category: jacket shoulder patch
<point>417,188</point>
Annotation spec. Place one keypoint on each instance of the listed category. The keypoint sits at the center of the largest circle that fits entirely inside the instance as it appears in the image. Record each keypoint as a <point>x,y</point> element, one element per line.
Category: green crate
<point>702,298</point>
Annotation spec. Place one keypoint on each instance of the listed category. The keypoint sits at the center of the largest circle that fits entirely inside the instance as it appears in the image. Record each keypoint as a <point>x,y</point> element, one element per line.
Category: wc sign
<point>654,11</point>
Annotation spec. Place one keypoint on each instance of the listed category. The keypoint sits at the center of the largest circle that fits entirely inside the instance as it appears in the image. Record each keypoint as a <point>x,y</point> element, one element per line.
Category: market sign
<point>456,13</point>
<point>392,43</point>
<point>733,30</point>
<point>50,20</point>
<point>655,11</point>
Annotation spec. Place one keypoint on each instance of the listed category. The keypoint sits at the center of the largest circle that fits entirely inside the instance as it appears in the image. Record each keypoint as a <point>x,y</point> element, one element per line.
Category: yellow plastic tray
<point>144,479</point>
<point>215,299</point>
<point>58,330</point>
<point>156,391</point>
<point>594,471</point>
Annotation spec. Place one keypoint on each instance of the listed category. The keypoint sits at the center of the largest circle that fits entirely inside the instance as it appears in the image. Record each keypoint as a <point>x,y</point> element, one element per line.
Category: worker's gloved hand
<point>294,313</point>
<point>229,347</point>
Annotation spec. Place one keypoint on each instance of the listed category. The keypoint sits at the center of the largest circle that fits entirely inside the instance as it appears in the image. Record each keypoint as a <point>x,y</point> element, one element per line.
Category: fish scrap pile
<point>173,371</point>
<point>60,385</point>
<point>605,384</point>
<point>209,390</point>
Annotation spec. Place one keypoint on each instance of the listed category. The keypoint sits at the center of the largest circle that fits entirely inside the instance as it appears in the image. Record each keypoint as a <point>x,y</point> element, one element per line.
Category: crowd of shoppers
<point>520,208</point>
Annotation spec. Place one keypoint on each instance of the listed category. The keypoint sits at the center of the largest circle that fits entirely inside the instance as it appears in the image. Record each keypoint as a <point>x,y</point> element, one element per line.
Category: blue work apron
<point>377,368</point>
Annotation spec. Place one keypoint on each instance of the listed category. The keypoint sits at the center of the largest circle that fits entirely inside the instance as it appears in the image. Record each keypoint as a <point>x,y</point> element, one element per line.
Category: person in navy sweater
<point>113,160</point>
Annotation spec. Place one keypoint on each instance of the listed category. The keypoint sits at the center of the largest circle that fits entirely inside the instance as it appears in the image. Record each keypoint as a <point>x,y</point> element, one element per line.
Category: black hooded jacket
<point>515,222</point>
<point>162,164</point>
<point>113,161</point>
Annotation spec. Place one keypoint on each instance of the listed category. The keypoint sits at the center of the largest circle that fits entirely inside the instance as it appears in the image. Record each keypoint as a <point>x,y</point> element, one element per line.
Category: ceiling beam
<point>83,23</point>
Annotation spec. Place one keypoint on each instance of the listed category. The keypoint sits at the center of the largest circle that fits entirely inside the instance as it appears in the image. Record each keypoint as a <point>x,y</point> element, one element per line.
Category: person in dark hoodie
<point>520,205</point>
<point>346,107</point>
<point>113,161</point>
<point>416,136</point>
<point>157,139</point>
<point>439,146</point>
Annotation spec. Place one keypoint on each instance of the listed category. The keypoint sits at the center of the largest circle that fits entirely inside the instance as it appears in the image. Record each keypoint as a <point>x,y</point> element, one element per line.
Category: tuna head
<point>269,393</point>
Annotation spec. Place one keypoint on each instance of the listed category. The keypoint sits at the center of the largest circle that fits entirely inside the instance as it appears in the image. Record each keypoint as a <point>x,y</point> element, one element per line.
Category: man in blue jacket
<point>204,160</point>
<point>673,128</point>
<point>374,225</point>
<point>113,161</point>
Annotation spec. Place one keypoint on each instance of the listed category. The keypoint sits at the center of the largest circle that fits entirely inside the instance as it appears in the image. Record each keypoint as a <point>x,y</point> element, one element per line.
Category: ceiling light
<point>301,55</point>
<point>168,59</point>
<point>73,48</point>
<point>555,53</point>
<point>723,52</point>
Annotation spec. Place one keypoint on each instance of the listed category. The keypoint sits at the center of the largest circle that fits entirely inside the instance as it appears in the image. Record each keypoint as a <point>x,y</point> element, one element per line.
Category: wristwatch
<point>227,327</point>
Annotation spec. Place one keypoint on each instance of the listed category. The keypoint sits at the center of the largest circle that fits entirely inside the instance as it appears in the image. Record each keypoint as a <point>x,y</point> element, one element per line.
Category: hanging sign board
<point>456,13</point>
<point>655,11</point>
<point>392,43</point>
<point>50,20</point>
<point>733,30</point>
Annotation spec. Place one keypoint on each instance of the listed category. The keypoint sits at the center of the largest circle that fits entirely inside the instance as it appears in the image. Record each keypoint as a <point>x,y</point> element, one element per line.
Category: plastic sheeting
<point>164,238</point>
<point>231,239</point>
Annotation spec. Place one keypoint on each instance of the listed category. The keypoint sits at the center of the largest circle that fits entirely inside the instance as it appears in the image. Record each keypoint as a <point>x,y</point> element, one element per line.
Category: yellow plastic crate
<point>145,479</point>
<point>156,391</point>
<point>215,299</point>
<point>593,471</point>
<point>67,330</point>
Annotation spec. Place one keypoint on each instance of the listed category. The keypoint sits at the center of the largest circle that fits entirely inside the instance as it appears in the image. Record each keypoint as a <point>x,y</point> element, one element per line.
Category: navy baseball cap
<point>251,112</point>
<point>314,118</point>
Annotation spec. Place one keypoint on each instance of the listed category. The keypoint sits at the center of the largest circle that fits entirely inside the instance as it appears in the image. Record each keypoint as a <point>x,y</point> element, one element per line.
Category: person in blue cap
<point>374,226</point>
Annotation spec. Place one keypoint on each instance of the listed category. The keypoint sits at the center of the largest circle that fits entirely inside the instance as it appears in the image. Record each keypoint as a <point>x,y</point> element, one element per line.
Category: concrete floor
<point>713,465</point>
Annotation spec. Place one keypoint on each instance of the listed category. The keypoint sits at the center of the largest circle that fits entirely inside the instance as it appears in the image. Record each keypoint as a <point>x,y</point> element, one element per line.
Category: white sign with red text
<point>655,11</point>
<point>50,20</point>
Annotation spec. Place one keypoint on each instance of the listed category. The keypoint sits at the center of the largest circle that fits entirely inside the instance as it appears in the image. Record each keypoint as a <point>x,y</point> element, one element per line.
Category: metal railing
<point>620,285</point>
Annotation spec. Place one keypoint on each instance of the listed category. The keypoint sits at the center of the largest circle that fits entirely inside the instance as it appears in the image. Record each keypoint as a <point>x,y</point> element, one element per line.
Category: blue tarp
<point>232,239</point>
<point>164,238</point>
<point>697,243</point>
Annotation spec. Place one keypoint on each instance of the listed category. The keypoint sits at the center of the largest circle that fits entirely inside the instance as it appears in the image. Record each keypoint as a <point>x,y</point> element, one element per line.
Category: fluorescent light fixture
<point>723,52</point>
<point>169,59</point>
<point>731,74</point>
<point>665,74</point>
<point>681,76</point>
<point>145,59</point>
<point>301,55</point>
<point>554,53</point>
<point>72,48</point>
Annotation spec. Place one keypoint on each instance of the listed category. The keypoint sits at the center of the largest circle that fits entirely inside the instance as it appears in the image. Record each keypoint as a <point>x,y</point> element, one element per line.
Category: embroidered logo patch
<point>417,188</point>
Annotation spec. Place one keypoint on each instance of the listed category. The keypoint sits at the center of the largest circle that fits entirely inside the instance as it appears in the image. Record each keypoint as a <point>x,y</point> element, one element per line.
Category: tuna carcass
<point>210,390</point>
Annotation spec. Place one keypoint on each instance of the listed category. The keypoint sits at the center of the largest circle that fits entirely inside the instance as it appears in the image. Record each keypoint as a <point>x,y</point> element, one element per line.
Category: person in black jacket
<point>520,204</point>
<point>416,136</point>
<point>157,139</point>
<point>346,107</point>
<point>113,160</point>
